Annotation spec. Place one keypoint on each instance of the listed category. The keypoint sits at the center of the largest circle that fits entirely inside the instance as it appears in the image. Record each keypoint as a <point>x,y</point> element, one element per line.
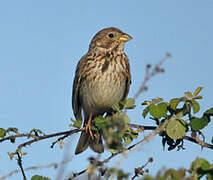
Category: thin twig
<point>142,128</point>
<point>39,138</point>
<point>36,139</point>
<point>21,167</point>
<point>12,137</point>
<point>66,156</point>
<point>157,69</point>
<point>140,171</point>
<point>55,165</point>
<point>194,140</point>
<point>77,174</point>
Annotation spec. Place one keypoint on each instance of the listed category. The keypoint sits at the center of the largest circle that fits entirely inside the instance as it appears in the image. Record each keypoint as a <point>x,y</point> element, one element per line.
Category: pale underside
<point>104,92</point>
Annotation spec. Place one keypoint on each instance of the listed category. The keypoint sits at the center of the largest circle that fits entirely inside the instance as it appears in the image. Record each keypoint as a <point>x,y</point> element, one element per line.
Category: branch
<point>13,137</point>
<point>194,140</point>
<point>54,165</point>
<point>157,69</point>
<point>66,157</point>
<point>70,132</point>
<point>147,138</point>
<point>21,167</point>
<point>142,128</point>
<point>39,138</point>
<point>140,171</point>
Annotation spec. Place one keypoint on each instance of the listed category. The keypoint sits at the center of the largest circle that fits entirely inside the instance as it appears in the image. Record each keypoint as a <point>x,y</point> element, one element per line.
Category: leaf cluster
<point>114,127</point>
<point>179,116</point>
<point>198,169</point>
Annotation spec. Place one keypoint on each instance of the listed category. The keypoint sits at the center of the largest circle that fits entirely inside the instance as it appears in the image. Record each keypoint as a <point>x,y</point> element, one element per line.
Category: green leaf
<point>2,133</point>
<point>209,112</point>
<point>204,164</point>
<point>195,105</point>
<point>188,95</point>
<point>40,132</point>
<point>197,91</point>
<point>209,175</point>
<point>156,100</point>
<point>116,107</point>
<point>114,142</point>
<point>11,129</point>
<point>36,132</point>
<point>11,155</point>
<point>127,139</point>
<point>174,103</point>
<point>125,118</point>
<point>176,129</point>
<point>130,135</point>
<point>109,172</point>
<point>200,167</point>
<point>73,120</point>
<point>23,153</point>
<point>93,128</point>
<point>159,110</point>
<point>199,123</point>
<point>37,177</point>
<point>175,174</point>
<point>198,97</point>
<point>145,112</point>
<point>99,122</point>
<point>179,115</point>
<point>76,123</point>
<point>212,140</point>
<point>121,175</point>
<point>129,103</point>
<point>146,103</point>
<point>134,133</point>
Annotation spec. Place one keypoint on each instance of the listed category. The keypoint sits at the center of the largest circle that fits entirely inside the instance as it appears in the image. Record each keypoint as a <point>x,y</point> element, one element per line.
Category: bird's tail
<point>86,140</point>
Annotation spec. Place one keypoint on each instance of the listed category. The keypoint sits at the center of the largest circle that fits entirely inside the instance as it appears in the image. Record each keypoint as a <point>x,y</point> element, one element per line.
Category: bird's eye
<point>111,35</point>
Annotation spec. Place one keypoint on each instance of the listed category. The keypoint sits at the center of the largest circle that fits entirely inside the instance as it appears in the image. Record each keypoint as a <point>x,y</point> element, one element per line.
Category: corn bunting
<point>102,79</point>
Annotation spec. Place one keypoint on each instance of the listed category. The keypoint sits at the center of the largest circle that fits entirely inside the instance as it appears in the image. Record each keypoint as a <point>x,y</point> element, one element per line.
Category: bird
<point>102,79</point>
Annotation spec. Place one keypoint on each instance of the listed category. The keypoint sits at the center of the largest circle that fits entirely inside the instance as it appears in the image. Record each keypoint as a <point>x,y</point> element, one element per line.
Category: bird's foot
<point>88,126</point>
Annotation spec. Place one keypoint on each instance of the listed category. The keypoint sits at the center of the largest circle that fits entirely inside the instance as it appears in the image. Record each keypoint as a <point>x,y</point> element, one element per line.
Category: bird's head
<point>109,39</point>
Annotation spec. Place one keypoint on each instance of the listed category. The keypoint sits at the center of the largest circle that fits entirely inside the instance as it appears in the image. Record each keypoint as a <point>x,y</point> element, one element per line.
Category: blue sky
<point>42,41</point>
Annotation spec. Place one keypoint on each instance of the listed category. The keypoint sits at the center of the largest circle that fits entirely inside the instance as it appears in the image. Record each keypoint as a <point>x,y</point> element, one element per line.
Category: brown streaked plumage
<point>102,78</point>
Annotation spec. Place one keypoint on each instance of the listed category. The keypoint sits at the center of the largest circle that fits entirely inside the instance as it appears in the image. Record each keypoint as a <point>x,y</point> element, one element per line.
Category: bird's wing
<point>128,78</point>
<point>76,101</point>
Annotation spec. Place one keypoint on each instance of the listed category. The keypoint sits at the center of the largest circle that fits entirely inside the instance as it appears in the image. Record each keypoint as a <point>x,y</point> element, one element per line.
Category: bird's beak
<point>125,38</point>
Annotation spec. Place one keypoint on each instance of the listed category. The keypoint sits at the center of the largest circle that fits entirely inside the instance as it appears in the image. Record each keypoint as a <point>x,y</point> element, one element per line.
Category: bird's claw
<point>88,127</point>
